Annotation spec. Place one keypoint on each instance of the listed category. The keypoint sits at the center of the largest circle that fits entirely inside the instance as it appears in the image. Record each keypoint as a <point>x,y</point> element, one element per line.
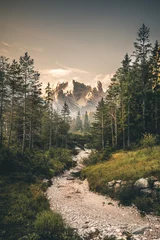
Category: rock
<point>146,191</point>
<point>140,230</point>
<point>70,178</point>
<point>141,183</point>
<point>118,181</point>
<point>156,185</point>
<point>85,226</point>
<point>110,184</point>
<point>123,183</point>
<point>117,187</point>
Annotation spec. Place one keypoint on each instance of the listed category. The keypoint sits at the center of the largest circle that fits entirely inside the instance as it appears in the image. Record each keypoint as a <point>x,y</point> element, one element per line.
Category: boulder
<point>117,187</point>
<point>110,184</point>
<point>118,181</point>
<point>156,185</point>
<point>141,183</point>
<point>123,183</point>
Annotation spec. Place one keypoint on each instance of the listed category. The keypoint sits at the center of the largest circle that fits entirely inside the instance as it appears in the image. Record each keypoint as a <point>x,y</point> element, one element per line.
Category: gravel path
<point>96,216</point>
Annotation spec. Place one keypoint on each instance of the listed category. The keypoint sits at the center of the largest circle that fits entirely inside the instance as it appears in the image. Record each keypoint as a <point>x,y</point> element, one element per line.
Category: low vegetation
<point>128,166</point>
<point>24,209</point>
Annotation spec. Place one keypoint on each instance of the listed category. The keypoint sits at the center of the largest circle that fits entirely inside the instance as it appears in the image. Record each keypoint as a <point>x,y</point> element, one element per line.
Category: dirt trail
<point>95,215</point>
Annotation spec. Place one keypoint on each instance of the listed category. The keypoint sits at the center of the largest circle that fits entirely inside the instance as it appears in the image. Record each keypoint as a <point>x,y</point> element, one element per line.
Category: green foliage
<point>126,195</point>
<point>22,191</point>
<point>96,157</point>
<point>49,225</point>
<point>34,163</point>
<point>19,205</point>
<point>130,165</point>
<point>148,140</point>
<point>144,204</point>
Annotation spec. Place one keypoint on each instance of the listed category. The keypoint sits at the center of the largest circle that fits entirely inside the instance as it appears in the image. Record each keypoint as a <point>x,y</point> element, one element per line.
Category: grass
<point>129,165</point>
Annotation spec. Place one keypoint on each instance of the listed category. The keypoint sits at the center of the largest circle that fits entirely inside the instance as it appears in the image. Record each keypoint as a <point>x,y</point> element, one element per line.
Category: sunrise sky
<point>84,40</point>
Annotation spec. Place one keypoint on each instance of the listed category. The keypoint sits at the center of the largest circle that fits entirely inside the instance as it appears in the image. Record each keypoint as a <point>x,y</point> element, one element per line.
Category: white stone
<point>141,183</point>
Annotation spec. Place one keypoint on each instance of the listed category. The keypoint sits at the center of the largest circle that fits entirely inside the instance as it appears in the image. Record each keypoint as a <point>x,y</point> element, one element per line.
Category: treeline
<point>80,123</point>
<point>28,121</point>
<point>132,105</point>
<point>33,142</point>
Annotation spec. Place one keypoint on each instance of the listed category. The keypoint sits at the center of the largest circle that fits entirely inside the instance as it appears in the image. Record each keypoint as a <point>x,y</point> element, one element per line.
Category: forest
<point>38,141</point>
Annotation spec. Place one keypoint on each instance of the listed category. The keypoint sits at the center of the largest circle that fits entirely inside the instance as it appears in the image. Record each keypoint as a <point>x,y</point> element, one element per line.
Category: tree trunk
<point>128,123</point>
<point>24,119</point>
<point>1,113</point>
<point>123,128</point>
<point>11,120</point>
<point>112,132</point>
<point>102,125</point>
<point>115,120</point>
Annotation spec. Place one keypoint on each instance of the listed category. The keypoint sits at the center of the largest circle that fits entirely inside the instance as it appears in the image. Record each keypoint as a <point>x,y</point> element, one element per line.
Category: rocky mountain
<point>81,97</point>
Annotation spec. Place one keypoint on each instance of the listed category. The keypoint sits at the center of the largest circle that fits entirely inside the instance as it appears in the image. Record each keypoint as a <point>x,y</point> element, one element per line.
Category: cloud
<point>58,73</point>
<point>72,69</point>
<point>104,78</point>
<point>6,44</point>
<point>67,74</point>
<point>38,49</point>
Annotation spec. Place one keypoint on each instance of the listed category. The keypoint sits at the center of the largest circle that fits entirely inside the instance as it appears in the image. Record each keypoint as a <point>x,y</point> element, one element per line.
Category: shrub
<point>96,157</point>
<point>144,204</point>
<point>148,140</point>
<point>126,195</point>
<point>49,225</point>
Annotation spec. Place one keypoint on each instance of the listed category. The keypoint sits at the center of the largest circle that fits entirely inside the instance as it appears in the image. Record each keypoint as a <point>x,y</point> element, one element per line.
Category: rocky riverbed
<point>95,216</point>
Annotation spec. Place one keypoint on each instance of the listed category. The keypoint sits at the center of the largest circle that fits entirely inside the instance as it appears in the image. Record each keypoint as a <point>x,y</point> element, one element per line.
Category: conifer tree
<point>15,91</point>
<point>27,74</point>
<point>86,125</point>
<point>78,122</point>
<point>142,51</point>
<point>4,65</point>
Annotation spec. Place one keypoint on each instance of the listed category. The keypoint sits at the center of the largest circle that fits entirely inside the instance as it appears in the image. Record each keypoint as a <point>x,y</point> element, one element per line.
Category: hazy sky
<point>81,39</point>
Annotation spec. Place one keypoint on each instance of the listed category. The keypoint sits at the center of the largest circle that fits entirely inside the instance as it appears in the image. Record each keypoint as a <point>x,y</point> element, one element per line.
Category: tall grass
<point>130,165</point>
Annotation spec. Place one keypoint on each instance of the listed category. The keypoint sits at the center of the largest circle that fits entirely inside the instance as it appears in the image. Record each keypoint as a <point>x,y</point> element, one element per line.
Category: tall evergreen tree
<point>27,74</point>
<point>142,51</point>
<point>15,91</point>
<point>4,65</point>
<point>86,124</point>
<point>78,122</point>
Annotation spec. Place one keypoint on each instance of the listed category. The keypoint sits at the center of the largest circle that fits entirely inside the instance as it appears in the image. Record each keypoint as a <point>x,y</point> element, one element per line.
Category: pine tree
<point>49,108</point>
<point>99,124</point>
<point>78,122</point>
<point>3,93</point>
<point>86,125</point>
<point>65,112</point>
<point>155,60</point>
<point>35,104</point>
<point>142,51</point>
<point>65,124</point>
<point>27,74</point>
<point>15,91</point>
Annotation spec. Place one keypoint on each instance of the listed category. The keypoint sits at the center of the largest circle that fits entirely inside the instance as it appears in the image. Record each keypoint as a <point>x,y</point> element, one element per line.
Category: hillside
<point>130,177</point>
<point>125,165</point>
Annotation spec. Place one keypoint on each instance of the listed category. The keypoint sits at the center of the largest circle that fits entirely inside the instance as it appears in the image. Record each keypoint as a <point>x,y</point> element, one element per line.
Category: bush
<point>148,140</point>
<point>144,204</point>
<point>49,225</point>
<point>96,157</point>
<point>126,195</point>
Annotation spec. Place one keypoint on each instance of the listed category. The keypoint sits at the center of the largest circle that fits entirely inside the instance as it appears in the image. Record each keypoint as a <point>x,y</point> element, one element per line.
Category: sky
<point>84,40</point>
